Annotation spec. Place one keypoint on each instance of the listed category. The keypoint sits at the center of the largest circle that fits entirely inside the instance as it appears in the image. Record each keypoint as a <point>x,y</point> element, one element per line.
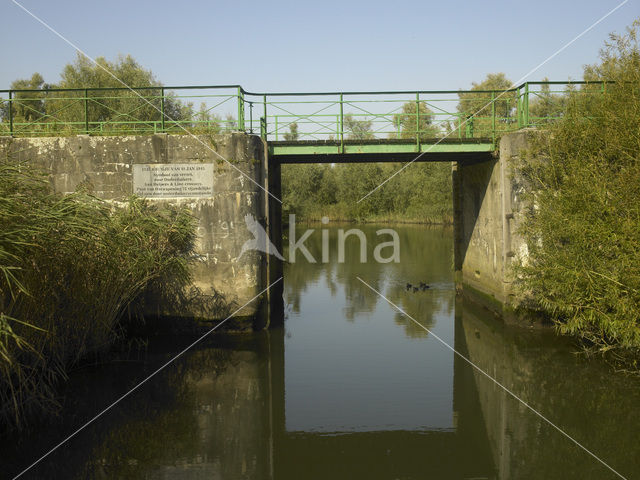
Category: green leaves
<point>414,124</point>
<point>421,192</point>
<point>583,175</point>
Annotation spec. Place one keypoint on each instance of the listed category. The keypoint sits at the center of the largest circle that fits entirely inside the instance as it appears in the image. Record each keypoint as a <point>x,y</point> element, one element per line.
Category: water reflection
<point>348,367</point>
<point>207,416</point>
<point>426,255</point>
<point>584,398</point>
<point>350,390</point>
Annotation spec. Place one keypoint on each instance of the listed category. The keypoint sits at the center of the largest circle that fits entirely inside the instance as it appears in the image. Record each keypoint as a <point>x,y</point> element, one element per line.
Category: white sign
<point>170,180</point>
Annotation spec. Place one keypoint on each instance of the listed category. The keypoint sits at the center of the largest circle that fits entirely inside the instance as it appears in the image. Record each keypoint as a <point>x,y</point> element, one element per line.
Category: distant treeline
<point>420,193</point>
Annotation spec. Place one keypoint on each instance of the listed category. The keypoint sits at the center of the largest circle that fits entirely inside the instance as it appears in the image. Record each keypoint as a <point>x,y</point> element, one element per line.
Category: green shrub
<point>583,228</point>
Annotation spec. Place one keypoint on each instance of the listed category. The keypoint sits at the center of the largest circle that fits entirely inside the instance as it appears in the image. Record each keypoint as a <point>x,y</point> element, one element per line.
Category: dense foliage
<point>583,228</point>
<point>419,193</point>
<point>55,111</point>
<point>70,267</point>
<point>476,110</point>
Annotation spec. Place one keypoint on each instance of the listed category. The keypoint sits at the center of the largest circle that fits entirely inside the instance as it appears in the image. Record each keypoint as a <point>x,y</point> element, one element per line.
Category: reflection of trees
<point>205,411</point>
<point>422,310</point>
<point>426,255</point>
<point>209,416</point>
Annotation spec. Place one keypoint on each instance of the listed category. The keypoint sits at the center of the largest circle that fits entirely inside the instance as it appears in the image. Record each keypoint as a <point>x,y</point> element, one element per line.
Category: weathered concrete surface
<point>104,165</point>
<point>487,202</point>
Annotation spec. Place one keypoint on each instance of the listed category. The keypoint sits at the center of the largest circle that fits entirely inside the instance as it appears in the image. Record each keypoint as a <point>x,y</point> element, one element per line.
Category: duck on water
<point>416,288</point>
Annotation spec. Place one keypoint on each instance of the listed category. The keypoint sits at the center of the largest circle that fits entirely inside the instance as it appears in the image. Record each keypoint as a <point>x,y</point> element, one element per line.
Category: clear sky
<point>314,46</point>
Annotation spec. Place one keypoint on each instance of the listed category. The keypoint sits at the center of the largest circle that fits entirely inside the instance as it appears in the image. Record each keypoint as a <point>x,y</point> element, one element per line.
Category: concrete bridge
<point>485,204</point>
<point>225,168</point>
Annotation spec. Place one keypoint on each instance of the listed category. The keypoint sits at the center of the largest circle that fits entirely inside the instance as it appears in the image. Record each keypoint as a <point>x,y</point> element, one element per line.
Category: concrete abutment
<point>105,165</point>
<point>487,201</point>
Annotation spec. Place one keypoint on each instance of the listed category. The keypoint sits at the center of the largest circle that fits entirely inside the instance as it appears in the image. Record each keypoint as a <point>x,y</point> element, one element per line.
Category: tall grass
<point>70,267</point>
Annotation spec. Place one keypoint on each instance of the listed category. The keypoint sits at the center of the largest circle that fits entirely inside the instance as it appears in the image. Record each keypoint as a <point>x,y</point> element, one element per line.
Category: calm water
<point>350,389</point>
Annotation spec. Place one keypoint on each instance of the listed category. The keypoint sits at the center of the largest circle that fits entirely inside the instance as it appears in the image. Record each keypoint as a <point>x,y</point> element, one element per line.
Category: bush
<point>70,266</point>
<point>583,230</point>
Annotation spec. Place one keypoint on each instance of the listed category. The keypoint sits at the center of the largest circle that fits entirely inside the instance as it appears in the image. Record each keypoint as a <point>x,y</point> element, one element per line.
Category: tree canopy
<point>357,129</point>
<point>103,107</point>
<point>411,124</point>
<point>475,106</point>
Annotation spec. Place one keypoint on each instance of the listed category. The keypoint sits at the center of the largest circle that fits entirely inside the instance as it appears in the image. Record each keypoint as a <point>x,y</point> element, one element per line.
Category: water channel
<point>350,389</point>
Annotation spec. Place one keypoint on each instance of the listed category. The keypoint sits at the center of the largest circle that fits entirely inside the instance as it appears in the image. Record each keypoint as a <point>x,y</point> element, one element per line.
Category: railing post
<point>526,105</point>
<point>460,127</point>
<point>341,124</point>
<point>493,117</point>
<point>10,112</point>
<point>276,122</point>
<point>264,103</point>
<point>162,109</point>
<point>251,118</point>
<point>417,121</point>
<point>240,109</point>
<point>86,111</point>
<point>519,108</point>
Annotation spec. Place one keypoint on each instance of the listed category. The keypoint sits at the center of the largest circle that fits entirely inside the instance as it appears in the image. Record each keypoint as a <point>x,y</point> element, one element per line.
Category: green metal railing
<point>418,117</point>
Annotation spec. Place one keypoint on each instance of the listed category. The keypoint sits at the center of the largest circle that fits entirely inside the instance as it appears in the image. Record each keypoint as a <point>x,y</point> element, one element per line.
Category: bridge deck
<point>379,150</point>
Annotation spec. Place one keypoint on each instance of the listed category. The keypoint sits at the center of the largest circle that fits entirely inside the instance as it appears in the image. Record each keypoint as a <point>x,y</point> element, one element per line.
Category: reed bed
<point>71,269</point>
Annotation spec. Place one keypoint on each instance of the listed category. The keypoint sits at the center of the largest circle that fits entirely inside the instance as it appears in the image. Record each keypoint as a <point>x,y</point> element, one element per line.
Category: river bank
<point>372,220</point>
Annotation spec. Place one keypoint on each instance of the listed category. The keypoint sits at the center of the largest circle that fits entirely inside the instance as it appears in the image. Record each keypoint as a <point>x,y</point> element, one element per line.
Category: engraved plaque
<point>171,180</point>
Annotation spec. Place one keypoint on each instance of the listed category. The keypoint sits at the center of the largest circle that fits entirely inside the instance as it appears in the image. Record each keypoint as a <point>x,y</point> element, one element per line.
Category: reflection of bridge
<point>377,126</point>
<point>462,452</point>
<point>222,413</point>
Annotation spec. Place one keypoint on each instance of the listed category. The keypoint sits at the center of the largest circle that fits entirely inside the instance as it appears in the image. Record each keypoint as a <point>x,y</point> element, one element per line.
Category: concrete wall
<point>486,216</point>
<point>105,164</point>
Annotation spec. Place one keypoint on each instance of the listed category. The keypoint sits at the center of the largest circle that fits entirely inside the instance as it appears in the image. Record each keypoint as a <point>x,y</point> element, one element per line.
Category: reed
<point>70,269</point>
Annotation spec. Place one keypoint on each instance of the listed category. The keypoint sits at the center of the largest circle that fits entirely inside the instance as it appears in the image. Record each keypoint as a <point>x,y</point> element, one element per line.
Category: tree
<point>357,129</point>
<point>106,107</point>
<point>420,193</point>
<point>113,108</point>
<point>28,106</point>
<point>406,121</point>
<point>206,119</point>
<point>292,134</point>
<point>582,179</point>
<point>545,106</point>
<point>475,106</point>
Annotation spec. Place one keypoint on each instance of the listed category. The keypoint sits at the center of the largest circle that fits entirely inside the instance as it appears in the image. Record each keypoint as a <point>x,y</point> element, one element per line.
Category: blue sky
<point>314,46</point>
